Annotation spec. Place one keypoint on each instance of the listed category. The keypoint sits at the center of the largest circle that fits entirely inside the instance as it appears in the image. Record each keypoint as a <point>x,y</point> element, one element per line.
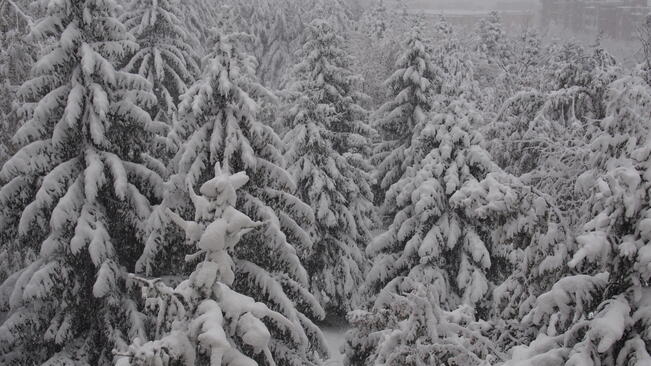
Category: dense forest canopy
<point>217,182</point>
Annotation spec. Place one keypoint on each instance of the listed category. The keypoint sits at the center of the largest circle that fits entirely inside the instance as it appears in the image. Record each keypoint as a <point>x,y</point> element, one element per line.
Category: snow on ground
<point>335,336</point>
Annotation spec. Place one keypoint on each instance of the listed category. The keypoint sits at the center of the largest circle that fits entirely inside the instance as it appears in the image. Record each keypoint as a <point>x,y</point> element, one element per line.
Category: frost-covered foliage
<point>446,212</point>
<point>375,21</point>
<point>460,227</point>
<point>644,35</point>
<point>275,26</point>
<point>429,75</point>
<point>166,56</point>
<point>78,191</point>
<point>412,87</point>
<point>492,42</point>
<point>517,69</point>
<point>324,77</point>
<point>455,69</point>
<point>542,134</point>
<point>327,142</point>
<point>469,197</point>
<point>600,314</point>
<point>412,328</point>
<point>203,320</point>
<point>375,47</point>
<point>200,17</point>
<point>338,13</point>
<point>17,54</point>
<point>218,123</point>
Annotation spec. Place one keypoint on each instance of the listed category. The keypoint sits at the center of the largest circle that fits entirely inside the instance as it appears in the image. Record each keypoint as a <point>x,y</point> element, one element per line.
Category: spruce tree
<point>199,18</point>
<point>461,226</point>
<point>492,40</point>
<point>218,116</point>
<point>338,13</point>
<point>78,191</point>
<point>17,55</point>
<point>275,27</point>
<point>166,56</point>
<point>412,87</point>
<point>327,140</point>
<point>203,320</point>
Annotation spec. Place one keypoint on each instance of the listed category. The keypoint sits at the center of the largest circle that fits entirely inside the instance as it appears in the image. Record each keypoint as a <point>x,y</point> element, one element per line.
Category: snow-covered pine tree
<point>600,315</point>
<point>326,144</point>
<point>411,328</point>
<point>338,13</point>
<point>456,70</point>
<point>16,59</point>
<point>375,47</point>
<point>412,87</point>
<point>166,55</point>
<point>461,226</point>
<point>17,55</point>
<point>374,21</point>
<point>218,114</point>
<point>277,50</point>
<point>79,190</point>
<point>276,26</point>
<point>517,70</point>
<point>204,321</point>
<point>539,246</point>
<point>492,41</point>
<point>644,36</point>
<point>200,17</point>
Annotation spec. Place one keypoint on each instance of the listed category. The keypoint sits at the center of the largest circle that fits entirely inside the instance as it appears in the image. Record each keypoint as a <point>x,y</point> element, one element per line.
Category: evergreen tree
<point>412,87</point>
<point>338,13</point>
<point>218,116</point>
<point>16,59</point>
<point>375,47</point>
<point>79,190</point>
<point>411,328</point>
<point>276,49</point>
<point>199,18</point>
<point>327,142</point>
<point>518,69</point>
<point>455,69</point>
<point>374,21</point>
<point>492,41</point>
<point>166,57</point>
<point>644,36</point>
<point>17,55</point>
<point>600,313</point>
<point>275,26</point>
<point>460,227</point>
<point>203,321</point>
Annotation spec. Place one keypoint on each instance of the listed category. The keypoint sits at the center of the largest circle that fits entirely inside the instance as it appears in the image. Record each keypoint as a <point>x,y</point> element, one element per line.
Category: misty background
<point>614,24</point>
